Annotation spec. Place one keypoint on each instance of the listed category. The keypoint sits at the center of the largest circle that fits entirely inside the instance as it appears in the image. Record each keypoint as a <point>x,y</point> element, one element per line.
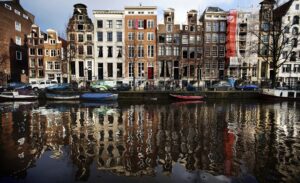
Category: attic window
<point>7,6</point>
<point>25,16</point>
<point>17,12</point>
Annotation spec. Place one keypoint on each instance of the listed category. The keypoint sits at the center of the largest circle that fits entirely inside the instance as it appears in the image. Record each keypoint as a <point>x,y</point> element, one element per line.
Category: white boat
<point>62,96</point>
<point>14,95</point>
<point>281,94</point>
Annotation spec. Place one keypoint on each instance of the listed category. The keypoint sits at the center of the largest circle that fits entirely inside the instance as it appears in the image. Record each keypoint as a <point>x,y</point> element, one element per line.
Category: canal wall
<point>165,95</point>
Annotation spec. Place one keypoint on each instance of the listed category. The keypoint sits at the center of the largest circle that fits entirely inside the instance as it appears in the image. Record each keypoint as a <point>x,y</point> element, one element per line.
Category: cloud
<point>56,13</point>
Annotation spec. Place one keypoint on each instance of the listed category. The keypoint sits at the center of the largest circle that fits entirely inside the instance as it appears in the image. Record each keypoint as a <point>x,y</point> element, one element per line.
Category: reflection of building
<point>80,45</point>
<point>15,24</point>
<point>109,44</point>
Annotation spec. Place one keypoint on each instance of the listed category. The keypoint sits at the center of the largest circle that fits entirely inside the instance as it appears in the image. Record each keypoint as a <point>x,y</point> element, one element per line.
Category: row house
<point>140,45</point>
<point>214,21</point>
<point>168,45</point>
<point>191,49</point>
<point>80,37</point>
<point>45,55</point>
<point>241,45</point>
<point>15,25</point>
<point>288,15</point>
<point>109,45</point>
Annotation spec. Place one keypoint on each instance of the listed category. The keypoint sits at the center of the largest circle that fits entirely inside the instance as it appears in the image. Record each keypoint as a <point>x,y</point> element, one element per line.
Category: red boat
<point>187,97</point>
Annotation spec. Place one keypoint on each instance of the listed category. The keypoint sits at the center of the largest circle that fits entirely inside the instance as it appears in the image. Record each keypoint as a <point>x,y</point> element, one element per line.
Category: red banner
<point>231,34</point>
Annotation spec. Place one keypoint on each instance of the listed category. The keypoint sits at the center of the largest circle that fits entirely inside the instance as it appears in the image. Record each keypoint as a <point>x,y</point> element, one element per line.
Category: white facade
<point>109,44</point>
<point>289,73</point>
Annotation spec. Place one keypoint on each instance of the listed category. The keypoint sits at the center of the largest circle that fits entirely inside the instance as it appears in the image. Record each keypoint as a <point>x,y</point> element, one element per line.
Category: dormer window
<point>17,12</point>
<point>7,6</point>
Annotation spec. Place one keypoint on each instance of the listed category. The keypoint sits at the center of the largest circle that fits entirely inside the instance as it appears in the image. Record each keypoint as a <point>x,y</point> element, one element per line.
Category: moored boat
<point>16,95</point>
<point>187,97</point>
<point>62,96</point>
<point>99,96</point>
<point>281,94</point>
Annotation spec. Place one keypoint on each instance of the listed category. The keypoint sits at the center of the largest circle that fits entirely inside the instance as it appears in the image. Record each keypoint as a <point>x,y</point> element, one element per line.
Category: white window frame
<point>18,26</point>
<point>18,40</point>
<point>150,36</point>
<point>150,51</point>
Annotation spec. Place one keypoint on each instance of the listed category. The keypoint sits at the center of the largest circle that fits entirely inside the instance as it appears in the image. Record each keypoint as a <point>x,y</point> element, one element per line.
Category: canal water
<point>213,141</point>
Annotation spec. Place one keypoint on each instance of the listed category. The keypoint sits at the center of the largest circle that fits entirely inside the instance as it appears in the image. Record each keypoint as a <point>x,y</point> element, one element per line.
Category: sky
<point>55,14</point>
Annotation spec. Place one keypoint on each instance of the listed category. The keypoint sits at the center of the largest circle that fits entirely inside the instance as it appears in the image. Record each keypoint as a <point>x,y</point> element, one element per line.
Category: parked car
<point>17,85</point>
<point>102,85</point>
<point>42,84</point>
<point>221,85</point>
<point>121,87</point>
<point>247,87</point>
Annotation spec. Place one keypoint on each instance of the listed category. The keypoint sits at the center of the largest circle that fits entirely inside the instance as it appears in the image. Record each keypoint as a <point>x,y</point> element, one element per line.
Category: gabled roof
<point>283,9</point>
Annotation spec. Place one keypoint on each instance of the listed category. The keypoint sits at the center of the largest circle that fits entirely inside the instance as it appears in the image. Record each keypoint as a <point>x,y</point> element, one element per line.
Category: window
<point>208,27</point>
<point>41,73</point>
<point>161,38</point>
<point>89,37</point>
<point>50,76</point>
<point>109,24</point>
<point>293,56</point>
<point>150,51</point>
<point>32,73</point>
<point>80,27</point>
<point>73,69</point>
<point>169,38</point>
<point>168,50</point>
<point>119,70</point>
<point>221,51</point>
<point>109,70</point>
<point>295,31</point>
<point>141,24</point>
<point>185,39</point>
<point>207,51</point>
<point>32,51</point>
<point>140,36</point>
<point>100,24</point>
<point>214,51</point>
<point>18,26</point>
<point>57,66</point>
<point>119,24</point>
<point>176,51</point>
<point>222,26</point>
<point>169,28</point>
<point>52,41</point>
<point>208,38</point>
<point>286,29</point>
<point>130,51</point>
<point>119,36</point>
<point>284,54</point>
<point>72,37</point>
<point>185,52</point>
<point>18,40</point>
<point>119,51</point>
<point>32,62</point>
<point>130,23</point>
<point>286,68</point>
<point>150,36</point>
<point>100,36</point>
<point>80,50</point>
<point>199,52</point>
<point>18,55</point>
<point>296,20</point>
<point>140,12</point>
<point>109,36</point>
<point>294,42</point>
<point>140,51</point>
<point>130,36</point>
<point>130,69</point>
<point>265,26</point>
<point>222,38</point>
<point>50,65</point>
<point>109,51</point>
<point>53,53</point>
<point>141,69</point>
<point>40,51</point>
<point>161,50</point>
<point>192,53</point>
<point>215,38</point>
<point>89,50</point>
<point>297,68</point>
<point>80,37</point>
<point>40,62</point>
<point>17,12</point>
<point>150,24</point>
<point>215,27</point>
<point>7,6</point>
<point>297,7</point>
<point>176,38</point>
<point>100,51</point>
<point>80,17</point>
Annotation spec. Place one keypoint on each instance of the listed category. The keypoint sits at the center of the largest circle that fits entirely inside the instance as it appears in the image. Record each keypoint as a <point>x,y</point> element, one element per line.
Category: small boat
<point>62,96</point>
<point>99,96</point>
<point>16,95</point>
<point>284,94</point>
<point>186,97</point>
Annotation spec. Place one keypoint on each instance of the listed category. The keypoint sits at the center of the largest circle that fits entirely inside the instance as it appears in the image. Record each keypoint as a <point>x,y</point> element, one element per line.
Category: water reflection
<point>179,142</point>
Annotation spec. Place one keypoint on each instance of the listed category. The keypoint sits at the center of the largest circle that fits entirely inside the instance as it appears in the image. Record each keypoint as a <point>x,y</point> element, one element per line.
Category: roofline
<point>121,12</point>
<point>140,7</point>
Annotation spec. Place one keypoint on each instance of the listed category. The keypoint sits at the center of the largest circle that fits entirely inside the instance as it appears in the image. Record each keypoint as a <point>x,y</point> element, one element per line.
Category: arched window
<point>294,42</point>
<point>295,31</point>
<point>296,20</point>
